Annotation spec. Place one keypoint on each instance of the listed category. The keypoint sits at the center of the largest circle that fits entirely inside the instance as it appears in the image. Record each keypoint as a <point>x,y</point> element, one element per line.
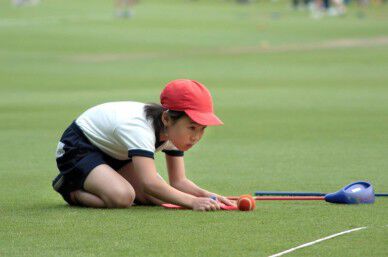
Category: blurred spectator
<point>338,8</point>
<point>319,8</point>
<point>24,2</point>
<point>300,4</point>
<point>124,8</point>
<point>326,4</point>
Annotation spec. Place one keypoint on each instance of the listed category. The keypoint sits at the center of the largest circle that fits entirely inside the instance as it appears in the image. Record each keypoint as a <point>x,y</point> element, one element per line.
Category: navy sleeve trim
<point>173,152</point>
<point>138,152</point>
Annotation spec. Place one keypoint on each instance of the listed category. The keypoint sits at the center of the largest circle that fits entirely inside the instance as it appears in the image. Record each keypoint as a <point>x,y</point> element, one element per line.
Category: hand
<point>205,204</point>
<point>226,201</point>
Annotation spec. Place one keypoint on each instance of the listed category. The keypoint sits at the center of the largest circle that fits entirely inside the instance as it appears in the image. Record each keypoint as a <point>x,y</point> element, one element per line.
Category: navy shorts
<point>76,158</point>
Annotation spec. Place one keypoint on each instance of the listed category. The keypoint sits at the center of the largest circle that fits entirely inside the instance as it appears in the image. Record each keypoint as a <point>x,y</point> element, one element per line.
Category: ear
<point>166,119</point>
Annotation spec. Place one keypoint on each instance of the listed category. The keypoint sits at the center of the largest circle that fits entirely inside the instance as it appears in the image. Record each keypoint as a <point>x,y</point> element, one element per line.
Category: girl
<point>106,156</point>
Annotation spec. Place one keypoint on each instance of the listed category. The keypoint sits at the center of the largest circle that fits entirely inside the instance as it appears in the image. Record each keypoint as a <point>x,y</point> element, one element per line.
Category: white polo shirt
<point>121,130</point>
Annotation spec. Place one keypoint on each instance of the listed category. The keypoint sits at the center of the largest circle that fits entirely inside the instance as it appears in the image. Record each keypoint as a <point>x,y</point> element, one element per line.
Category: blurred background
<point>300,85</point>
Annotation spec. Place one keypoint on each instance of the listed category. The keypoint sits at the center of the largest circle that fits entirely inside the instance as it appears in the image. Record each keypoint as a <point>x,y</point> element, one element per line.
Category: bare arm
<point>159,189</point>
<point>178,180</point>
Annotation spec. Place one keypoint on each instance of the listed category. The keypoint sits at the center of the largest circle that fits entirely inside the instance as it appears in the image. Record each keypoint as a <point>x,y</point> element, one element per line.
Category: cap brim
<point>204,118</point>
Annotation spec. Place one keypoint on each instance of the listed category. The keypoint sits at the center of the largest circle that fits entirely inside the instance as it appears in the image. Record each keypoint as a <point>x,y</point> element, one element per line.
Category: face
<point>184,133</point>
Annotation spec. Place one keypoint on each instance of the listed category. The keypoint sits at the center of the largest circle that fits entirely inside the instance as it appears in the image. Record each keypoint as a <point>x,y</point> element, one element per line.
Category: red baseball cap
<point>191,97</point>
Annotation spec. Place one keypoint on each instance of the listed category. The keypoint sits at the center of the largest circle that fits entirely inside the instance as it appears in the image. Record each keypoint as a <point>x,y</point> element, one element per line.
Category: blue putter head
<point>354,193</point>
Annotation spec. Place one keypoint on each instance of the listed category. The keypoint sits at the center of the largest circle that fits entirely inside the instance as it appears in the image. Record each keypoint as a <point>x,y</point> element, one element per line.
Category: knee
<point>121,198</point>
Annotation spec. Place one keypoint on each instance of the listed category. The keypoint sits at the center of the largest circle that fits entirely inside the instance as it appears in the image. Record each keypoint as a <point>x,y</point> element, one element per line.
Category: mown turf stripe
<point>316,241</point>
<point>344,43</point>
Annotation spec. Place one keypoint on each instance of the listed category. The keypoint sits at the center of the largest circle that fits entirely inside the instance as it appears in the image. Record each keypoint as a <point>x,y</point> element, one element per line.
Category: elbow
<point>151,187</point>
<point>177,184</point>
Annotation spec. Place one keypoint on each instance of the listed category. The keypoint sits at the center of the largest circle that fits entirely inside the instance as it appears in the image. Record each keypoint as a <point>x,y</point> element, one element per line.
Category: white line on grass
<point>316,241</point>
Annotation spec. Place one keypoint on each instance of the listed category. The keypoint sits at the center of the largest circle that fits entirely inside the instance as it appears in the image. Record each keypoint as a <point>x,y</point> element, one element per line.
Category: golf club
<point>354,193</point>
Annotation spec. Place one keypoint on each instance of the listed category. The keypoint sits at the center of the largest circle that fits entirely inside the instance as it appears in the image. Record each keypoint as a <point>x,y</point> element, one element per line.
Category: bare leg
<point>131,176</point>
<point>104,187</point>
<point>87,199</point>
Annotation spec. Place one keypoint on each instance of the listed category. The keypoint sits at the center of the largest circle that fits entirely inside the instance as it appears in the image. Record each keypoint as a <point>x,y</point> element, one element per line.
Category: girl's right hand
<point>205,204</point>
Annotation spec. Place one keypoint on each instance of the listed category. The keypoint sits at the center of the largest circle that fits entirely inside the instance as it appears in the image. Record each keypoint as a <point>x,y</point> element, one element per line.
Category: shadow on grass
<point>54,207</point>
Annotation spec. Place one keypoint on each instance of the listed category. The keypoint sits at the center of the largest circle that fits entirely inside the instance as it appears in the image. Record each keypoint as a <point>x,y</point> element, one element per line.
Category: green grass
<point>310,120</point>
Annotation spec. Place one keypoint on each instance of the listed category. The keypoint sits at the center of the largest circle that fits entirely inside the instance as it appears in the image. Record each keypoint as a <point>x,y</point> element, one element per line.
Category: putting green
<point>304,103</point>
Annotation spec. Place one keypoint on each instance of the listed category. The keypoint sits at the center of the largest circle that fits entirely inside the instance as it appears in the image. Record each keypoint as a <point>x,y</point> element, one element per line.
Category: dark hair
<point>154,113</point>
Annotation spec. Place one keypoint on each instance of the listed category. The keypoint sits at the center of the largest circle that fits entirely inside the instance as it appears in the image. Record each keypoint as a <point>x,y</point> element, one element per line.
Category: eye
<point>192,128</point>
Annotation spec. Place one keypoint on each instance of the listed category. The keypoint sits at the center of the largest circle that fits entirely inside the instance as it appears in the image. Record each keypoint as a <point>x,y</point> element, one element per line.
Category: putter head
<point>354,193</point>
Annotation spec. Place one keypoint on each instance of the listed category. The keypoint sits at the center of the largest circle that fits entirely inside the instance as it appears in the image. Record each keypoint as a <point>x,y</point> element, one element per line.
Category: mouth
<point>185,147</point>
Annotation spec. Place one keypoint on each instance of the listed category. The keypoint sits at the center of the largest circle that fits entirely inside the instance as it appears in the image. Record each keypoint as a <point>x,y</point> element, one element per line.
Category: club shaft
<point>280,193</point>
<point>283,198</point>
<point>289,193</point>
